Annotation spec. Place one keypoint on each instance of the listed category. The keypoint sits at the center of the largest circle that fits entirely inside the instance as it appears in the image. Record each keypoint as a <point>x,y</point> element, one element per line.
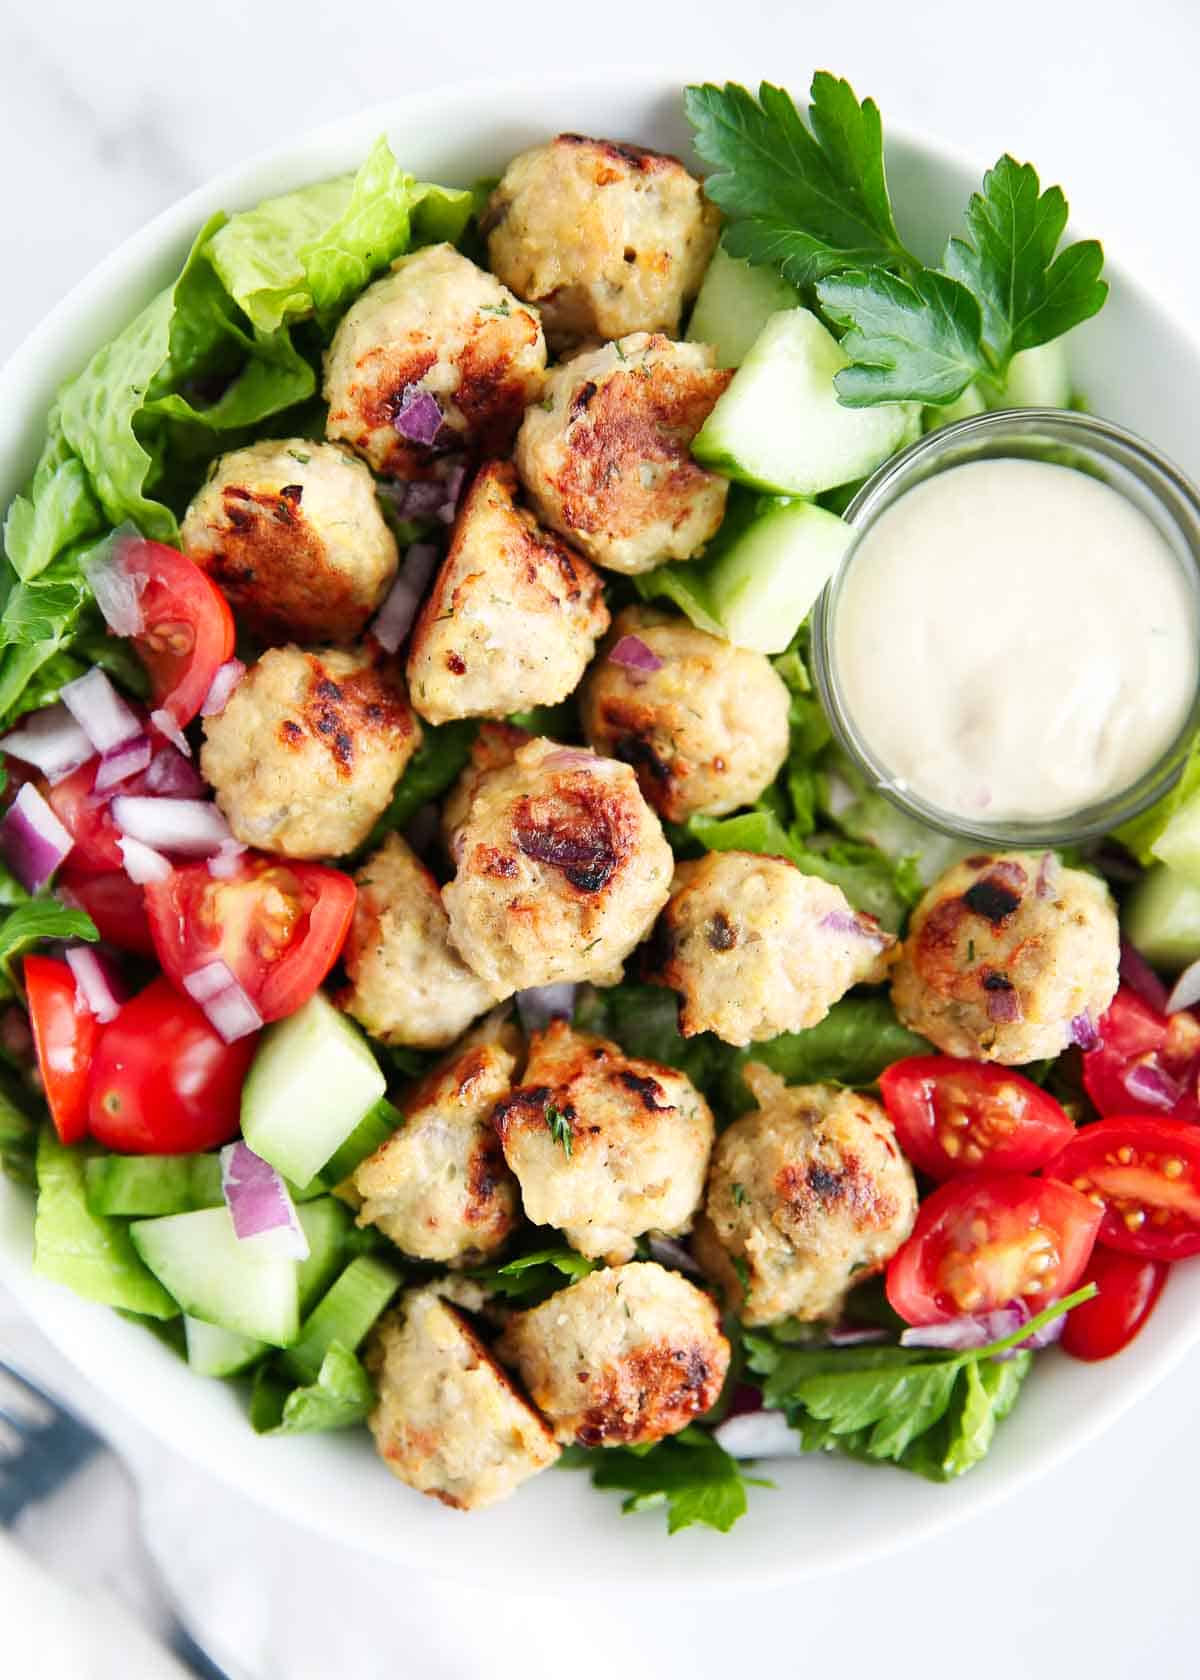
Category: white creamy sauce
<point>1015,641</point>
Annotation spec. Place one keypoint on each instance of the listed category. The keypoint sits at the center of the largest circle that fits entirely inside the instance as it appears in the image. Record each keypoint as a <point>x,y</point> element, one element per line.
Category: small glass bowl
<point>1125,463</point>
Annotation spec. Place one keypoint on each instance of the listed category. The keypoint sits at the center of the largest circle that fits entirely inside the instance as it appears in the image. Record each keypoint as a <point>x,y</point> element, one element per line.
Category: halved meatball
<point>605,238</point>
<point>292,533</point>
<point>755,948</point>
<point>434,358</point>
<point>513,615</point>
<point>449,1421</point>
<point>605,1146</point>
<point>706,730</point>
<point>306,753</point>
<point>605,456</point>
<point>625,1356</point>
<point>1009,957</point>
<point>808,1194</point>
<point>561,869</point>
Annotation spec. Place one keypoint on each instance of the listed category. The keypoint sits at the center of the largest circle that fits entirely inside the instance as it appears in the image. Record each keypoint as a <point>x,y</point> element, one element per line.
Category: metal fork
<point>68,1499</point>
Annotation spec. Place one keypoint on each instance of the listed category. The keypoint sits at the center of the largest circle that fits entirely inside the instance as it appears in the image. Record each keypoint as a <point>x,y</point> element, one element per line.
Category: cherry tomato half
<point>163,1081</point>
<point>1128,1291</point>
<point>1146,1062</point>
<point>989,1239</point>
<point>187,629</point>
<point>1146,1175</point>
<point>954,1117</point>
<point>116,906</point>
<point>87,819</point>
<point>64,1036</point>
<point>278,926</point>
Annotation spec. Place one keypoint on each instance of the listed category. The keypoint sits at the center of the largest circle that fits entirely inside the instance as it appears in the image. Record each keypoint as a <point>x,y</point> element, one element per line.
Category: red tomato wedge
<point>116,906</point>
<point>87,819</point>
<point>163,1081</point>
<point>989,1239</point>
<point>1128,1288</point>
<point>954,1117</point>
<point>1146,1063</point>
<point>1145,1174</point>
<point>278,926</point>
<point>187,629</point>
<point>64,1036</point>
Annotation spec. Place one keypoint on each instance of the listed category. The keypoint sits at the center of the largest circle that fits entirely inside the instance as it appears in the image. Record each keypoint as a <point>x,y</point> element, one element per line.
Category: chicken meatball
<point>293,535</point>
<point>512,618</point>
<point>755,948</point>
<point>306,753</point>
<point>1009,958</point>
<point>435,357</point>
<point>408,985</point>
<point>439,1188</point>
<point>448,1420</point>
<point>622,1357</point>
<point>808,1193</point>
<point>606,239</point>
<point>605,1147</point>
<point>606,455</point>
<point>562,868</point>
<point>706,728</point>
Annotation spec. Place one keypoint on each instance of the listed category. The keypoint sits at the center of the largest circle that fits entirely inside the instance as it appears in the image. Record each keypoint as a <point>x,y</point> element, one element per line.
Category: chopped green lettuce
<point>340,1397</point>
<point>691,1475</point>
<point>853,1044</point>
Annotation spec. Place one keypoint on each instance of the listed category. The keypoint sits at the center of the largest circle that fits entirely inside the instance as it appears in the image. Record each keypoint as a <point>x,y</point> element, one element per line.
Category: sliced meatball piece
<point>606,455</point>
<point>623,1357</point>
<point>306,753</point>
<point>605,1146</point>
<point>513,616</point>
<point>292,533</point>
<point>703,723</point>
<point>439,1188</point>
<point>606,239</point>
<point>561,869</point>
<point>407,983</point>
<point>808,1194</point>
<point>449,1420</point>
<point>437,357</point>
<point>756,948</point>
<point>1009,958</point>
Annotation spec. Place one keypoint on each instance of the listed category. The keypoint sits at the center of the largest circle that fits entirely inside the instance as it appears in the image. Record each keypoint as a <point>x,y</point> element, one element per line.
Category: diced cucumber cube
<point>326,1223</point>
<point>1161,917</point>
<point>215,1275</point>
<point>1179,843</point>
<point>763,585</point>
<point>213,1352</point>
<point>735,302</point>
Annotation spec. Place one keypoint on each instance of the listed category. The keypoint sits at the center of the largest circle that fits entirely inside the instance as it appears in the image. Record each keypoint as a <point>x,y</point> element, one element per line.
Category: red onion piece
<point>857,927</point>
<point>763,1434</point>
<point>116,583</point>
<point>854,1336</point>
<point>204,983</point>
<point>97,982</point>
<point>100,711</point>
<point>1004,1005</point>
<point>422,500</point>
<point>394,619</point>
<point>165,722</point>
<point>539,1005</point>
<point>229,1009</point>
<point>32,839</point>
<point>972,1330</point>
<point>227,862</point>
<point>142,863</point>
<point>1149,1084</point>
<point>51,741</point>
<point>420,417</point>
<point>455,479</point>
<point>634,654</point>
<point>1186,990</point>
<point>1083,1032</point>
<point>673,1255</point>
<point>1046,872</point>
<point>127,760</point>
<point>570,758</point>
<point>1141,978</point>
<point>222,686</point>
<point>192,827</point>
<point>259,1203</point>
<point>171,775</point>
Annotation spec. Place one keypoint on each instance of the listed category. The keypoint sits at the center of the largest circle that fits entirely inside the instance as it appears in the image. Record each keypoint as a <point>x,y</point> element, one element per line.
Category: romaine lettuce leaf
<point>853,1044</point>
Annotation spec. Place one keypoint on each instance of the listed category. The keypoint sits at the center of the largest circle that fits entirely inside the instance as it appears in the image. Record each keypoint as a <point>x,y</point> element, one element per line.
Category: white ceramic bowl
<point>825,1513</point>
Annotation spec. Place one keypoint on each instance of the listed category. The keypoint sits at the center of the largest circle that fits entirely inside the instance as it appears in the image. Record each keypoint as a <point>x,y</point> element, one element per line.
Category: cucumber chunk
<point>371,1133</point>
<point>214,1275</point>
<point>1179,843</point>
<point>1161,917</point>
<point>765,581</point>
<point>779,426</point>
<point>327,1224</point>
<point>344,1315</point>
<point>140,1186</point>
<point>311,1081</point>
<point>734,304</point>
<point>213,1352</point>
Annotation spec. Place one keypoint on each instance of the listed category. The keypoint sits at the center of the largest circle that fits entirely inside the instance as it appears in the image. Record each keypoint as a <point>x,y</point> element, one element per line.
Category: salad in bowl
<point>464,976</point>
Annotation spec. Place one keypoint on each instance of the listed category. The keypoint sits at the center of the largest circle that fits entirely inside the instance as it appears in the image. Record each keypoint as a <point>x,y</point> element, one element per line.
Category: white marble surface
<point>108,113</point>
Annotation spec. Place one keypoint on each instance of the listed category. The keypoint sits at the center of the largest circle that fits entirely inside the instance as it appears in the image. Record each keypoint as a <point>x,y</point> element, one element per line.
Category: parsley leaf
<point>917,338</point>
<point>694,1477</point>
<point>559,1125</point>
<point>530,1278</point>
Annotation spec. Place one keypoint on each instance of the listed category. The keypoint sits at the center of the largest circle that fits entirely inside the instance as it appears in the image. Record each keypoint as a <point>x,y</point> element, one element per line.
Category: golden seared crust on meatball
<point>605,238</point>
<point>807,1194</point>
<point>706,730</point>
<point>407,983</point>
<point>755,948</point>
<point>605,1146</point>
<point>624,1356</point>
<point>438,327</point>
<point>1003,953</point>
<point>292,534</point>
<point>561,869</point>
<point>449,1420</point>
<point>306,753</point>
<point>606,455</point>
<point>439,1188</point>
<point>513,615</point>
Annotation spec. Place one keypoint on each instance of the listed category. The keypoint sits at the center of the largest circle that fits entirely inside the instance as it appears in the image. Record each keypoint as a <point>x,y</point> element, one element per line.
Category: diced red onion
<point>1149,1084</point>
<point>539,1005</point>
<point>421,500</point>
<point>100,711</point>
<point>845,921</point>
<point>420,417</point>
<point>260,1204</point>
<point>763,1434</point>
<point>1140,978</point>
<point>215,988</point>
<point>1046,872</point>
<point>394,619</point>
<point>226,863</point>
<point>97,982</point>
<point>116,584</point>
<point>204,983</point>
<point>634,654</point>
<point>673,1255</point>
<point>171,775</point>
<point>142,863</point>
<point>1083,1032</point>
<point>192,827</point>
<point>972,1330</point>
<point>32,839</point>
<point>1004,1006</point>
<point>164,721</point>
<point>222,686</point>
<point>1186,990</point>
<point>127,760</point>
<point>51,741</point>
<point>455,479</point>
<point>854,1336</point>
<point>570,758</point>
